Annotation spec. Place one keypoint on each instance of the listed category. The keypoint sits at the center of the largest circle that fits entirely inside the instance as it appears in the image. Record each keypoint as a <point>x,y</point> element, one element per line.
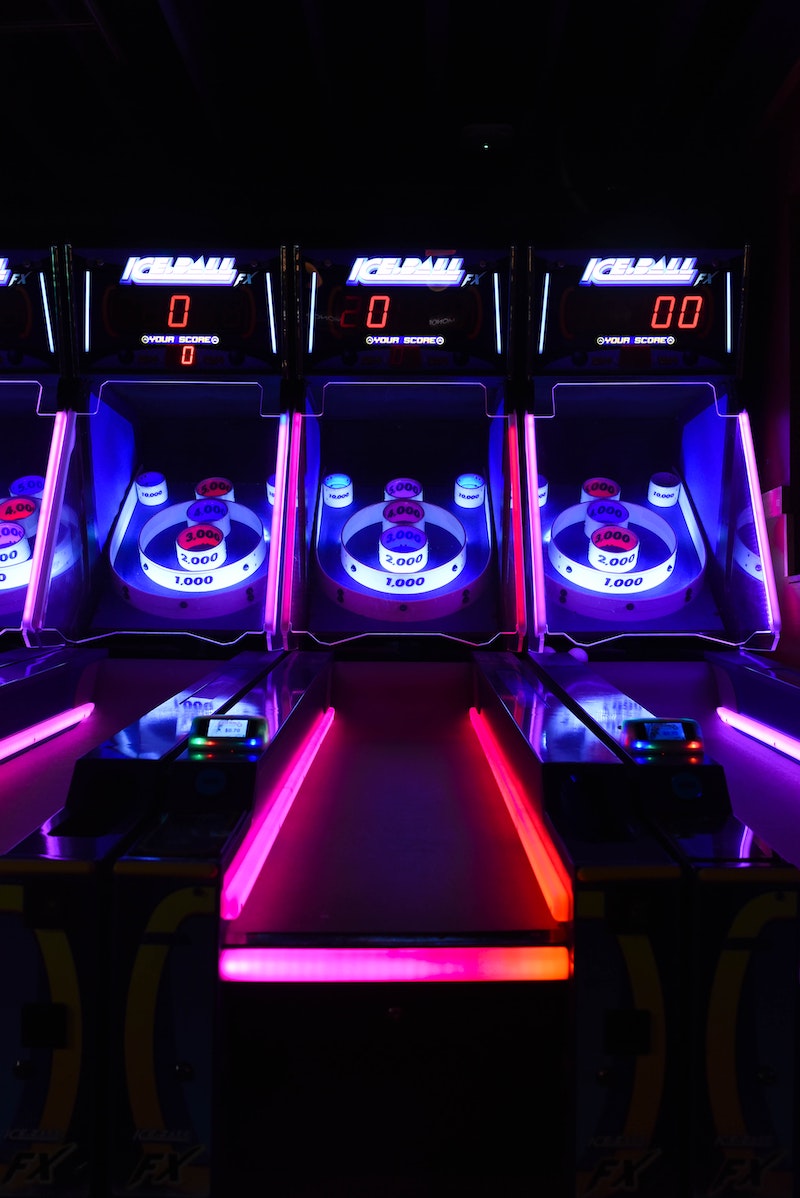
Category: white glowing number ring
<point>151,488</point>
<point>603,512</point>
<point>22,510</point>
<point>604,581</point>
<point>470,490</point>
<point>403,549</point>
<point>204,579</point>
<point>599,488</point>
<point>14,545</point>
<point>215,488</point>
<point>403,512</point>
<point>210,511</point>
<point>337,490</point>
<point>613,548</point>
<point>200,547</point>
<point>403,488</point>
<point>429,579</point>
<point>29,484</point>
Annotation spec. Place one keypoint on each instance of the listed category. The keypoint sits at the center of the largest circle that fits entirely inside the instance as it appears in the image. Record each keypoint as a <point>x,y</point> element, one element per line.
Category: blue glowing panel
<point>178,314</point>
<point>168,503</point>
<point>656,313</point>
<point>406,314</point>
<point>650,515</point>
<point>403,516</point>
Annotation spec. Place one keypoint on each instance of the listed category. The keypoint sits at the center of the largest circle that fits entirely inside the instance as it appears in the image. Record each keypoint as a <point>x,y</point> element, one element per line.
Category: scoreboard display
<point>418,313</point>
<point>628,313</point>
<point>179,314</point>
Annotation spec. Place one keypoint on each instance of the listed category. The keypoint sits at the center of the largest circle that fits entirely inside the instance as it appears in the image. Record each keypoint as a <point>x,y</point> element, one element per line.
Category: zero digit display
<point>640,313</point>
<point>425,311</point>
<point>179,314</point>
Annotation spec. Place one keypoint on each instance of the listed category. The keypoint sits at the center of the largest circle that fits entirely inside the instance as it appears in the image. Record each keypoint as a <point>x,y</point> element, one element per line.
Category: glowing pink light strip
<point>524,963</point>
<point>535,530</point>
<point>243,871</point>
<point>516,517</point>
<point>18,741</point>
<point>276,531</point>
<point>545,861</point>
<point>47,531</point>
<point>764,733</point>
<point>757,505</point>
<point>291,519</point>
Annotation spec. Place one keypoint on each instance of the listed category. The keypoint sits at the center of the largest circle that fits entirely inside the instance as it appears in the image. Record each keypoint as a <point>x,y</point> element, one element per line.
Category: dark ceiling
<point>265,122</point>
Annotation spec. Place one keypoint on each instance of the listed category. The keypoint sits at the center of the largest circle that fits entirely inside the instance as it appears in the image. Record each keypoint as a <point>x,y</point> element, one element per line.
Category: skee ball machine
<point>165,479</point>
<point>654,616</point>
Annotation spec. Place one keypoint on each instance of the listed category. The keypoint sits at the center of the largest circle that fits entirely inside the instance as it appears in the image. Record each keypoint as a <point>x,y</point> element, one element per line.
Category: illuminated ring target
<point>201,578</point>
<point>430,578</point>
<point>594,577</point>
<point>15,573</point>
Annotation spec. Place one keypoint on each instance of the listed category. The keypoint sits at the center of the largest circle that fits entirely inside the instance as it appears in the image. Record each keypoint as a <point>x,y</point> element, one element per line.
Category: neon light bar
<point>273,334</point>
<point>242,874</point>
<point>728,321</point>
<point>543,319</point>
<point>497,329</point>
<point>535,530</point>
<point>765,733</point>
<point>311,311</point>
<point>18,741</point>
<point>87,309</point>
<point>47,531</point>
<point>419,964</point>
<point>50,340</point>
<point>759,522</point>
<point>746,843</point>
<point>276,549</point>
<point>515,485</point>
<point>291,519</point>
<point>542,854</point>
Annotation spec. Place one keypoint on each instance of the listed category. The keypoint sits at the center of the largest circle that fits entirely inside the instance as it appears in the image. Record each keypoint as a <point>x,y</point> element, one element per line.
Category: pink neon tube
<point>17,741</point>
<point>276,530</point>
<point>478,963</point>
<point>764,733</point>
<point>537,547</point>
<point>542,854</point>
<point>242,873</point>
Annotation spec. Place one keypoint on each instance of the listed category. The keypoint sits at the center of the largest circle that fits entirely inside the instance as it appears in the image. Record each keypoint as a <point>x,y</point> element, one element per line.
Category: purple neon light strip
<point>242,873</point>
<point>760,523</point>
<point>765,733</point>
<point>276,530</point>
<point>515,484</point>
<point>32,735</point>
<point>479,963</point>
<point>47,530</point>
<point>291,519</point>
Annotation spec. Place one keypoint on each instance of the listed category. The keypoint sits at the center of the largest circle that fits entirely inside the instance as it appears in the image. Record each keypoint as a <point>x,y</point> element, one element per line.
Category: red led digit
<point>689,315</point>
<point>187,355</point>
<point>352,304</point>
<point>660,319</point>
<point>178,311</point>
<point>378,312</point>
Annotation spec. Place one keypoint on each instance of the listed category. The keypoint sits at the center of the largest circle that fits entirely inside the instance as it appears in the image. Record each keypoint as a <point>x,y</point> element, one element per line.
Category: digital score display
<point>27,340</point>
<point>179,314</point>
<point>639,313</point>
<point>423,312</point>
